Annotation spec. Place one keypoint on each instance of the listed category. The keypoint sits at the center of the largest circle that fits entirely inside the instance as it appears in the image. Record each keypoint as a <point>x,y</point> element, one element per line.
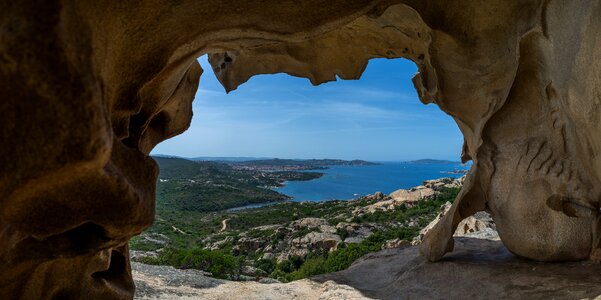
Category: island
<point>277,164</point>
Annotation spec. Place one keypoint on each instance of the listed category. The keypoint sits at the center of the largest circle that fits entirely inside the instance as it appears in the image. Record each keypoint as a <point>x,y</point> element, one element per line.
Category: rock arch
<point>88,88</point>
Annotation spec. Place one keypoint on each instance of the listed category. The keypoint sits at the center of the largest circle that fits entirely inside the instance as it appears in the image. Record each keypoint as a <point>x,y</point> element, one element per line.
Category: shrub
<point>219,264</point>
<point>267,265</point>
<point>290,265</point>
<point>285,266</point>
<point>311,267</point>
<point>342,232</point>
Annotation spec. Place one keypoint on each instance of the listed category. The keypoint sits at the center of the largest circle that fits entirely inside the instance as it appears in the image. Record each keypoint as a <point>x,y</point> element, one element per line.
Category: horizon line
<point>269,157</point>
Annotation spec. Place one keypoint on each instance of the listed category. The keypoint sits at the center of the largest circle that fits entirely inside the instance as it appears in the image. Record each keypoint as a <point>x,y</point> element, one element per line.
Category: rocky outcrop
<point>472,225</point>
<point>90,88</point>
<point>408,197</point>
<point>395,199</point>
<point>317,240</point>
<point>413,195</point>
<point>308,223</point>
<point>314,241</point>
<point>357,232</point>
<point>480,225</point>
<point>315,235</point>
<point>248,244</point>
<point>396,243</point>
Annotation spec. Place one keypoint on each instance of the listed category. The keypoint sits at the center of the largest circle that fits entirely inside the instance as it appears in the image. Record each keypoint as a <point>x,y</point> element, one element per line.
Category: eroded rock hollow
<point>88,88</point>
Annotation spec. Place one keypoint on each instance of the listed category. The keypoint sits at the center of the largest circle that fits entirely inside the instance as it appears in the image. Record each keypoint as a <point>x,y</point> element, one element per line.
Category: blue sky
<point>377,117</point>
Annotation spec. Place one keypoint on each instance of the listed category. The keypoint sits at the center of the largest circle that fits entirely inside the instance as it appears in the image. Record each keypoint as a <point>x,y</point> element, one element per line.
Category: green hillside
<point>211,186</point>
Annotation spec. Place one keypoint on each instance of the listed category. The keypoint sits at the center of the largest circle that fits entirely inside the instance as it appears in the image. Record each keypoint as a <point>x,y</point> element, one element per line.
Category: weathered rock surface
<point>396,243</point>
<point>249,244</point>
<point>480,225</point>
<point>311,242</point>
<point>318,240</point>
<point>308,223</point>
<point>477,269</point>
<point>167,283</point>
<point>89,88</point>
<point>412,195</point>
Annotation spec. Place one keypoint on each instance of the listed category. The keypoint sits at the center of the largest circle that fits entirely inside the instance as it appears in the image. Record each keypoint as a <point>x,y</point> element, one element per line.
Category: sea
<point>351,182</point>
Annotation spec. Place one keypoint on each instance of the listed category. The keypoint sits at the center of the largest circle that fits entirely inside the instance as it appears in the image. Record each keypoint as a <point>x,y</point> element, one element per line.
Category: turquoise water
<point>349,182</point>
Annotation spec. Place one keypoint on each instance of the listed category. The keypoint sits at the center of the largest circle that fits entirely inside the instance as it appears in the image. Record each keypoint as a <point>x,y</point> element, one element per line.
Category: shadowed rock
<point>477,269</point>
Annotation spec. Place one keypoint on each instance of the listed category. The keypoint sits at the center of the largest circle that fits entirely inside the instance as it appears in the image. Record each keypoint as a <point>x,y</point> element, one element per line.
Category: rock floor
<point>166,283</point>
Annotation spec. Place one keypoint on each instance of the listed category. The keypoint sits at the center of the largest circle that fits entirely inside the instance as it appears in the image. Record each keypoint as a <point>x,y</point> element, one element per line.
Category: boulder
<point>437,183</point>
<point>327,229</point>
<point>480,225</point>
<point>486,233</point>
<point>292,252</point>
<point>249,244</point>
<point>268,256</point>
<point>219,244</point>
<point>252,271</point>
<point>317,240</point>
<point>396,243</point>
<point>478,222</point>
<point>412,195</point>
<point>395,199</point>
<point>308,223</point>
<point>361,231</point>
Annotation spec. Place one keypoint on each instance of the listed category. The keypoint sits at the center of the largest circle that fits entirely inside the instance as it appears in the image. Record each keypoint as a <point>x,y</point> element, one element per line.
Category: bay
<point>350,182</point>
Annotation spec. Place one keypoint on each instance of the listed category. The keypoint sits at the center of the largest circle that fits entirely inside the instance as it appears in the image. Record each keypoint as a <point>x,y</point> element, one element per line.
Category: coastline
<point>347,183</point>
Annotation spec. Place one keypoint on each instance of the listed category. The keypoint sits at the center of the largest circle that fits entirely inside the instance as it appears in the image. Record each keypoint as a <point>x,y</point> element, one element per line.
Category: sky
<point>378,117</point>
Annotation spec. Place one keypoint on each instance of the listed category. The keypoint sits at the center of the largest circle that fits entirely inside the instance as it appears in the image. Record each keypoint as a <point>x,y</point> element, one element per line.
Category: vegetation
<point>190,231</point>
<point>422,211</point>
<point>345,255</point>
<point>219,264</point>
<point>186,185</point>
